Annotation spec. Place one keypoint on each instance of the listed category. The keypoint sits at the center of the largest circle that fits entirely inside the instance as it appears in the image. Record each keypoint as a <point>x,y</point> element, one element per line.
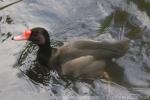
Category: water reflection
<point>120,24</point>
<point>39,74</point>
<point>8,20</point>
<point>143,5</point>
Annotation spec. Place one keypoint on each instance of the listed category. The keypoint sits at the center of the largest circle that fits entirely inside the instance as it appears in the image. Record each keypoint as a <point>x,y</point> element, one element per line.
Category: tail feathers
<point>122,46</point>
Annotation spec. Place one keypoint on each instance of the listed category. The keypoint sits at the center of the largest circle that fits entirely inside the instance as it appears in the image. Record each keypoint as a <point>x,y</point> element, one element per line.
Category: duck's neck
<point>43,55</point>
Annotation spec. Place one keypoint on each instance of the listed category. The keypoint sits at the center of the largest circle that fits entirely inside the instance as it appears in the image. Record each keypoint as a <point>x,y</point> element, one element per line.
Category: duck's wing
<point>83,67</point>
<point>102,49</point>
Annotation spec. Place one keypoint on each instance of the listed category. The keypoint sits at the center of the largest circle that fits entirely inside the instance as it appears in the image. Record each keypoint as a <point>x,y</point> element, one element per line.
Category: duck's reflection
<point>116,72</point>
<point>39,74</point>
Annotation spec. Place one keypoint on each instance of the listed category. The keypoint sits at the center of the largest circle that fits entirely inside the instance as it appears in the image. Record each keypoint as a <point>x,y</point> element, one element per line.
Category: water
<point>21,77</point>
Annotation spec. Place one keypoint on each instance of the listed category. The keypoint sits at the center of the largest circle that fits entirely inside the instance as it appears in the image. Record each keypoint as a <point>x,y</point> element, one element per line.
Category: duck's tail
<point>121,47</point>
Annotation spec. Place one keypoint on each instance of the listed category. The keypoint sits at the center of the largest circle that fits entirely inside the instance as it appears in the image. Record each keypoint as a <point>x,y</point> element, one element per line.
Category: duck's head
<point>37,35</point>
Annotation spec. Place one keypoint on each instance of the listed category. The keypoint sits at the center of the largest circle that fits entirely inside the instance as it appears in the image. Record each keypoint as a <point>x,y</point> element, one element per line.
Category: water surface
<point>21,77</point>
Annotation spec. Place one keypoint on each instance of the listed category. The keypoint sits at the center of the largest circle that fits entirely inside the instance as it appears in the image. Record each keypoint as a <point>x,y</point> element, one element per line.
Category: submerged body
<point>80,59</point>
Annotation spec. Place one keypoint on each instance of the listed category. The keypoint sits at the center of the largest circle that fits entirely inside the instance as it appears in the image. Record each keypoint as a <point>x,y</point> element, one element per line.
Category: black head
<point>37,35</point>
<point>40,36</point>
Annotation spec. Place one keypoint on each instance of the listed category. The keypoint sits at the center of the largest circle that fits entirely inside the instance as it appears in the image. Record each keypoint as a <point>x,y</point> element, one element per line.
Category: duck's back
<point>99,50</point>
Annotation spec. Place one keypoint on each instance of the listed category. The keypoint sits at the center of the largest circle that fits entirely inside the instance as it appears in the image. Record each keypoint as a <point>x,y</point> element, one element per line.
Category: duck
<point>78,59</point>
